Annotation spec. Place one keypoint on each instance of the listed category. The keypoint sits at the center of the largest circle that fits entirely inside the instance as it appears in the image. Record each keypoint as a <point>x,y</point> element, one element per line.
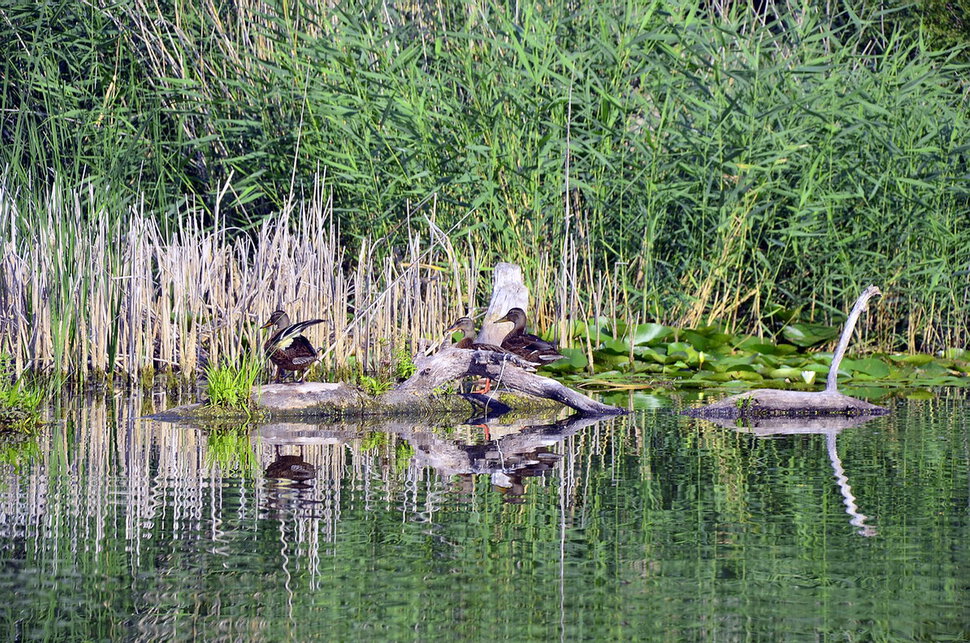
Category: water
<point>652,526</point>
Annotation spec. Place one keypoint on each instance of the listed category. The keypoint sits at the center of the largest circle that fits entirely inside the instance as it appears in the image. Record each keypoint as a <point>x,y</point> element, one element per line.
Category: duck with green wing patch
<point>287,348</point>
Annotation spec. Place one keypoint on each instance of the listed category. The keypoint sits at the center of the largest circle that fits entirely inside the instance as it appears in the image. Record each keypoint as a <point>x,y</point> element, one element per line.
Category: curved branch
<point>831,382</point>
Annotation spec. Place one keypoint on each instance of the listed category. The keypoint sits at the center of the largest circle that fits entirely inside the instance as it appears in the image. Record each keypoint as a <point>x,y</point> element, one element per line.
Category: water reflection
<point>830,427</point>
<point>512,452</point>
<point>644,526</point>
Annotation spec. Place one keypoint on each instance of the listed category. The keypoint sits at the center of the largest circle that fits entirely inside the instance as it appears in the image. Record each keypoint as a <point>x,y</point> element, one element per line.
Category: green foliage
<point>229,386</point>
<point>720,164</point>
<point>709,357</point>
<point>403,362</point>
<point>20,401</point>
<point>945,22</point>
<point>373,385</point>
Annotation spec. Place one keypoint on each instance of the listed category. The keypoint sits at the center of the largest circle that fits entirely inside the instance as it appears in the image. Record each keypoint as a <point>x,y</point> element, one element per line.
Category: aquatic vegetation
<point>643,162</point>
<point>655,356</point>
<point>229,386</point>
<point>20,401</point>
<point>373,385</point>
<point>403,363</point>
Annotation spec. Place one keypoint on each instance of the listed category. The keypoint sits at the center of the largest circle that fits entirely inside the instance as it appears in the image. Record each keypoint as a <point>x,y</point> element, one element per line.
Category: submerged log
<point>772,402</point>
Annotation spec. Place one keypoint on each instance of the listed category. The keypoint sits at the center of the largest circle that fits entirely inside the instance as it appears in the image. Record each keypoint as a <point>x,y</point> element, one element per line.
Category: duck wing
<point>281,338</point>
<point>532,348</point>
<point>300,351</point>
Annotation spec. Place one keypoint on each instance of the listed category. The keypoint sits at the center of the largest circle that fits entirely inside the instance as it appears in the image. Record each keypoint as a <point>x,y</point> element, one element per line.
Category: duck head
<point>279,319</point>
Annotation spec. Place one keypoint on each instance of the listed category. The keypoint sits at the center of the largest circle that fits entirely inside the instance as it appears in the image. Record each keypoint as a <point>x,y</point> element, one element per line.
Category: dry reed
<point>86,293</point>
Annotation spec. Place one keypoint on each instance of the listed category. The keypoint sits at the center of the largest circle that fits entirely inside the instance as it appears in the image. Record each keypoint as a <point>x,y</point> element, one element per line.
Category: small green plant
<point>403,362</point>
<point>374,386</point>
<point>19,401</point>
<point>229,386</point>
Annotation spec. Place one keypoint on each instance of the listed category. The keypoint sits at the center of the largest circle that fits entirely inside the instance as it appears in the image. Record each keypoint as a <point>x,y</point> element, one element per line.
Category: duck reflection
<point>830,427</point>
<point>291,467</point>
<point>514,451</point>
<point>511,484</point>
<point>288,485</point>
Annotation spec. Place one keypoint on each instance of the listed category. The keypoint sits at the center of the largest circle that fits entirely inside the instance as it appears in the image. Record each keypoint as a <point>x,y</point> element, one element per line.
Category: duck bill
<point>266,325</point>
<point>504,319</point>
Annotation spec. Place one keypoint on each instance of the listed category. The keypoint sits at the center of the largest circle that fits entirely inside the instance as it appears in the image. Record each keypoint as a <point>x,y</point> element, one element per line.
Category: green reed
<point>230,385</point>
<point>695,166</point>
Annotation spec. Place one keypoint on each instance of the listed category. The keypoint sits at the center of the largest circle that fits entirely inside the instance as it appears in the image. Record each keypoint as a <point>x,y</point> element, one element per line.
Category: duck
<point>467,326</point>
<point>532,349</point>
<point>287,348</point>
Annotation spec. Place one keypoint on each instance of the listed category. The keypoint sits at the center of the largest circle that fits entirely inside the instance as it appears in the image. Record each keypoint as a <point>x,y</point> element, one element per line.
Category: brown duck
<point>287,348</point>
<point>467,326</point>
<point>532,349</point>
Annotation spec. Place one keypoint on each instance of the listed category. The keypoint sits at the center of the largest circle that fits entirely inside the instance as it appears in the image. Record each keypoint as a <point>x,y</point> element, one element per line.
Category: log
<point>766,402</point>
<point>421,394</point>
<point>504,369</point>
<point>772,402</point>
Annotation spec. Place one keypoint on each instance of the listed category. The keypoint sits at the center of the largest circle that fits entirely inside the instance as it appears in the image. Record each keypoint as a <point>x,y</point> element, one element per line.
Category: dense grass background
<point>720,164</point>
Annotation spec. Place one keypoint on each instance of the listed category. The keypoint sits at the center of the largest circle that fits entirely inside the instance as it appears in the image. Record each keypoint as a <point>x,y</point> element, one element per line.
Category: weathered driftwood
<point>504,369</point>
<point>771,402</point>
<point>508,292</point>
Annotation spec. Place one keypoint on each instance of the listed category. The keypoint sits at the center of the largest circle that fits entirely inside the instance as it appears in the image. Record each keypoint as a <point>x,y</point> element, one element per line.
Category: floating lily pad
<point>575,360</point>
<point>918,359</point>
<point>645,353</point>
<point>794,374</point>
<point>869,366</point>
<point>615,347</point>
<point>805,334</point>
<point>650,333</point>
<point>708,342</point>
<point>773,349</point>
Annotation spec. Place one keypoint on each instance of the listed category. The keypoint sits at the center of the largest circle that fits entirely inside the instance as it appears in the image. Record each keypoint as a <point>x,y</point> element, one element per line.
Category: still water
<point>650,526</point>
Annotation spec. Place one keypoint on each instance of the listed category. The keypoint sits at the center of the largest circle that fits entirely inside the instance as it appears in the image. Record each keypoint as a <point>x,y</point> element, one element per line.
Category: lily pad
<point>918,359</point>
<point>805,334</point>
<point>871,366</point>
<point>645,353</point>
<point>772,349</point>
<point>615,347</point>
<point>575,360</point>
<point>650,333</point>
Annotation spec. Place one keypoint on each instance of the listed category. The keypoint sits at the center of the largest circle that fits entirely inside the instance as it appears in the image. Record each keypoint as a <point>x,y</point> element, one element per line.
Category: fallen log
<point>504,369</point>
<point>773,402</point>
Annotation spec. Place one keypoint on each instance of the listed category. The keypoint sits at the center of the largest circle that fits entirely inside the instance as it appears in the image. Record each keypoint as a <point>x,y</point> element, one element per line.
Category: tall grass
<point>711,166</point>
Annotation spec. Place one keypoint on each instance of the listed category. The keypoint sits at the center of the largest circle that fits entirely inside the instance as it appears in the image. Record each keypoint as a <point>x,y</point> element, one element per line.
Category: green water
<point>652,526</point>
